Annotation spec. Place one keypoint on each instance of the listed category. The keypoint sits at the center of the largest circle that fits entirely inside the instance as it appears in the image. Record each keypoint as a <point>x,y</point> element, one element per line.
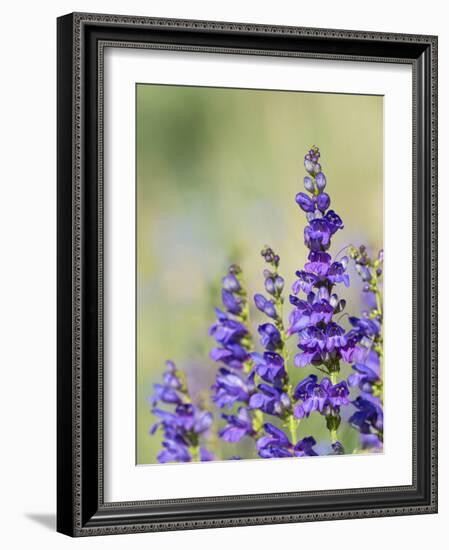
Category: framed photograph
<point>247,276</point>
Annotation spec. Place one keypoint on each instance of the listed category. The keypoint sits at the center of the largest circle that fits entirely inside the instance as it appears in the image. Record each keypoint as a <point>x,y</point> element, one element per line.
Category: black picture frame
<point>81,509</point>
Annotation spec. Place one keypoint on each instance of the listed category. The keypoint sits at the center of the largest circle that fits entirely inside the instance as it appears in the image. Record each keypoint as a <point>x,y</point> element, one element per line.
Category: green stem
<point>195,452</point>
<point>333,433</point>
<point>293,427</point>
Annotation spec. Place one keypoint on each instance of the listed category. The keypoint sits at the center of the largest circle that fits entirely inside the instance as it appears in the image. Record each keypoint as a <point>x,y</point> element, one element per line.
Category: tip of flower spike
<point>270,256</point>
<point>234,269</point>
<point>311,161</point>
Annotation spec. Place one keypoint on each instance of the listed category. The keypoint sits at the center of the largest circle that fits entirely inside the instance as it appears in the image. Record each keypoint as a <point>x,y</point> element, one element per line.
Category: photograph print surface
<point>260,271</point>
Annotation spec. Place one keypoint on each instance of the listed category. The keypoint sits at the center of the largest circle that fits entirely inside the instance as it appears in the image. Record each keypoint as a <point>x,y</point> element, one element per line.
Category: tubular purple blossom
<point>185,426</point>
<point>368,418</point>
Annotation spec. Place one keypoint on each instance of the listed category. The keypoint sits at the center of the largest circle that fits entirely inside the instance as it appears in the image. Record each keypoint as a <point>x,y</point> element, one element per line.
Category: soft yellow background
<point>217,174</point>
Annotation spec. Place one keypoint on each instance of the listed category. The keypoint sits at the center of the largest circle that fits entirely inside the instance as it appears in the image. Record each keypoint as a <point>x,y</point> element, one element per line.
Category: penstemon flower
<point>252,385</point>
<point>277,445</point>
<point>368,418</point>
<point>185,426</point>
<point>274,393</point>
<point>234,383</point>
<point>322,342</point>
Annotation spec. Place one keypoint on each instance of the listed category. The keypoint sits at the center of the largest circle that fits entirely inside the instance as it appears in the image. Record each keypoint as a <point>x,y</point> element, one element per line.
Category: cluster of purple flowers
<point>271,396</point>
<point>185,425</point>
<point>368,418</point>
<point>234,383</point>
<point>253,385</point>
<point>275,444</point>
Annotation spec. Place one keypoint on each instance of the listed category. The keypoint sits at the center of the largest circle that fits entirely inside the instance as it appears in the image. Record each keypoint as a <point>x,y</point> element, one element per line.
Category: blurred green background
<point>217,174</point>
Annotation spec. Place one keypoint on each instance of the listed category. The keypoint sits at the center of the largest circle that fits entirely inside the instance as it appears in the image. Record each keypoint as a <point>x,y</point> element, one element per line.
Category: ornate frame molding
<point>81,42</point>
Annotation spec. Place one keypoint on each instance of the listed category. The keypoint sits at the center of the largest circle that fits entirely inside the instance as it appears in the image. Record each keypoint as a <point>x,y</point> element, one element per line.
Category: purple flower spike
<point>183,426</point>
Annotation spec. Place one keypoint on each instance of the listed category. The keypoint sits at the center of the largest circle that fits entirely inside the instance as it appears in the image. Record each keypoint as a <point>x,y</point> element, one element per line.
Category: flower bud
<point>305,202</point>
<point>231,283</point>
<point>323,201</point>
<point>320,181</point>
<point>279,283</point>
<point>269,285</point>
<point>309,166</point>
<point>333,422</point>
<point>308,184</point>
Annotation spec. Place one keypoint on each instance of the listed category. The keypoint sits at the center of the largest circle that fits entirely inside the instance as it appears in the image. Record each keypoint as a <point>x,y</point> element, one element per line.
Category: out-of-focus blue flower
<point>368,328</point>
<point>364,377</point>
<point>237,426</point>
<point>233,355</point>
<point>172,390</point>
<point>231,283</point>
<point>231,302</point>
<point>337,448</point>
<point>368,418</point>
<point>206,455</point>
<point>265,306</point>
<point>182,427</point>
<point>230,330</point>
<point>175,450</point>
<point>231,387</point>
